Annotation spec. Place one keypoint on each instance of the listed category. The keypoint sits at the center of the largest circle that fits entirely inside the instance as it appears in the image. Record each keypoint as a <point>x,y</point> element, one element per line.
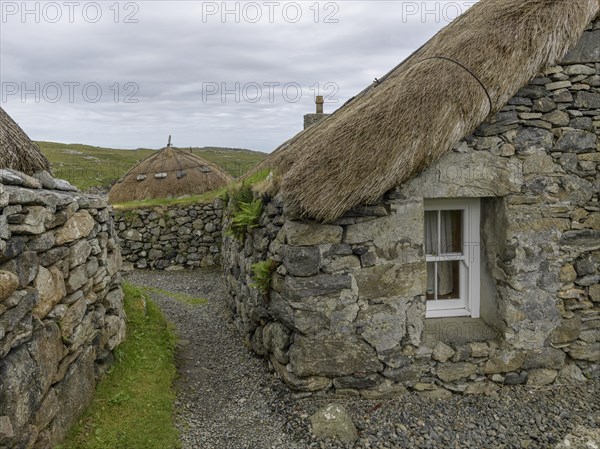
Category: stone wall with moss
<point>346,304</point>
<point>61,311</point>
<point>171,237</point>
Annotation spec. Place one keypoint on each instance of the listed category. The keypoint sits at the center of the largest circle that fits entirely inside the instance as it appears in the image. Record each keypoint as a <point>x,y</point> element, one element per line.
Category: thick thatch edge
<point>17,150</point>
<point>357,154</point>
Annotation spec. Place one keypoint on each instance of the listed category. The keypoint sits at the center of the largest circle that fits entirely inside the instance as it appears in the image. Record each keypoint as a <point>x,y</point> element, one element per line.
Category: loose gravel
<point>228,399</point>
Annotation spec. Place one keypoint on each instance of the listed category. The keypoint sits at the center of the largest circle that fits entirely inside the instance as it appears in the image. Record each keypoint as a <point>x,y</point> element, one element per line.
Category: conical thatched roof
<point>17,151</point>
<point>393,130</point>
<point>170,173</point>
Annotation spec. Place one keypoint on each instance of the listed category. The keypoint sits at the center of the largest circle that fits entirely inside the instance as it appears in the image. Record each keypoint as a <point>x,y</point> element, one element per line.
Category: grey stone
<point>51,287</point>
<point>308,234</point>
<point>557,118</point>
<point>79,253</point>
<point>504,361</point>
<point>570,374</point>
<point>539,377</point>
<point>320,285</point>
<point>585,239</point>
<point>544,358</point>
<point>449,372</point>
<point>77,278</point>
<point>579,69</point>
<point>587,49</point>
<point>442,352</point>
<point>390,280</point>
<point>14,247</point>
<point>8,284</point>
<point>332,355</point>
<point>305,384</point>
<point>515,378</point>
<point>34,221</point>
<point>499,123</point>
<point>544,104</point>
<point>41,243</point>
<point>383,326</point>
<point>576,141</point>
<point>7,432</point>
<point>10,319</point>
<point>301,260</point>
<point>585,351</point>
<point>358,382</point>
<point>587,100</point>
<point>80,225</point>
<point>528,140</point>
<point>333,421</point>
<point>409,373</point>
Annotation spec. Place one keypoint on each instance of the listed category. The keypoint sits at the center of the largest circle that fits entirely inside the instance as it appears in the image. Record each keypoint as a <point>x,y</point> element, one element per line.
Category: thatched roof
<point>17,151</point>
<point>393,130</point>
<point>170,173</point>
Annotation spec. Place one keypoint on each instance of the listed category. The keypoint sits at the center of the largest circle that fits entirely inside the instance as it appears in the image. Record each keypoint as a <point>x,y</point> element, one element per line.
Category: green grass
<point>207,197</point>
<point>181,297</point>
<point>134,404</point>
<point>88,166</point>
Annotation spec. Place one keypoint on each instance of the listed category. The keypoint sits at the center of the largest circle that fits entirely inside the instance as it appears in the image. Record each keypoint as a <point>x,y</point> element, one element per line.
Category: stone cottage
<point>440,231</point>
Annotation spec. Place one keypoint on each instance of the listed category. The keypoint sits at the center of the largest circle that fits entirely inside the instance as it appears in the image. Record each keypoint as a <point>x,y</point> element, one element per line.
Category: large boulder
<point>333,421</point>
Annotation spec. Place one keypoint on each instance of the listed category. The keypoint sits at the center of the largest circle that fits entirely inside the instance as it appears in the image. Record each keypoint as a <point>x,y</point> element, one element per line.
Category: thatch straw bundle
<point>170,173</point>
<point>423,107</point>
<point>17,151</point>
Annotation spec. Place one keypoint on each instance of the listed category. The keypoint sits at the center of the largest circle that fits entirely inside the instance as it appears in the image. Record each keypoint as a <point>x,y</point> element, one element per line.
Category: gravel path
<point>228,399</point>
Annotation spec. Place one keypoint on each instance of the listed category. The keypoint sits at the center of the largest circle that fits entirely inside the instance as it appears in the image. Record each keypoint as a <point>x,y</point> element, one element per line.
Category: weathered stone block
<point>79,226</point>
<point>301,260</point>
<point>544,358</point>
<point>504,361</point>
<point>576,141</point>
<point>308,234</point>
<point>460,175</point>
<point>539,377</point>
<point>383,325</point>
<point>320,285</point>
<point>79,253</point>
<point>449,372</point>
<point>391,280</point>
<point>332,355</point>
<point>442,352</point>
<point>8,284</point>
<point>51,287</point>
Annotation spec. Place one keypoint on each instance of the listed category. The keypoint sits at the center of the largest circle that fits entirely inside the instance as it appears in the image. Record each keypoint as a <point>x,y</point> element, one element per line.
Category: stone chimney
<point>311,119</point>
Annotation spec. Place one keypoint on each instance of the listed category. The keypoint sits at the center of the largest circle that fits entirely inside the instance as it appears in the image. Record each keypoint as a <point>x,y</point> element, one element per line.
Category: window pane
<point>431,230</point>
<point>430,281</point>
<point>451,231</point>
<point>448,280</point>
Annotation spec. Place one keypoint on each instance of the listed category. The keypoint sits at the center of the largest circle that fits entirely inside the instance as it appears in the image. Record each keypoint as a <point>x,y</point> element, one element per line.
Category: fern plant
<point>245,218</point>
<point>262,275</point>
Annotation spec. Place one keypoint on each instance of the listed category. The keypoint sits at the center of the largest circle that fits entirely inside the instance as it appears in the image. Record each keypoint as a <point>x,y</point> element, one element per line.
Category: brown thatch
<point>170,173</point>
<point>424,106</point>
<point>17,151</point>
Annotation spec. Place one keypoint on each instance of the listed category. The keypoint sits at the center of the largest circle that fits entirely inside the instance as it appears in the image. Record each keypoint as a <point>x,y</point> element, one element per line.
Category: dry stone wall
<point>61,308</point>
<point>171,237</point>
<point>346,307</point>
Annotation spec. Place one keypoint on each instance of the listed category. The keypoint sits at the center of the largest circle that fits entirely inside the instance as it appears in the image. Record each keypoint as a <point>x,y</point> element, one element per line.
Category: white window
<point>452,256</point>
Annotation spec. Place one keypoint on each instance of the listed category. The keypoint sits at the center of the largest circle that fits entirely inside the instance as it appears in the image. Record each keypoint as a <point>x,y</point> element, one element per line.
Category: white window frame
<point>469,302</point>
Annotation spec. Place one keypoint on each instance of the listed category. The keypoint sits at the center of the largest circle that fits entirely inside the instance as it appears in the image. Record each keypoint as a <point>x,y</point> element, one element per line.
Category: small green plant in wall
<point>263,274</point>
<point>245,218</point>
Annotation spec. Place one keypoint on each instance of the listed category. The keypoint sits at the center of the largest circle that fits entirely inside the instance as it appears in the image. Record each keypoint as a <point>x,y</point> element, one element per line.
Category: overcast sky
<point>230,74</point>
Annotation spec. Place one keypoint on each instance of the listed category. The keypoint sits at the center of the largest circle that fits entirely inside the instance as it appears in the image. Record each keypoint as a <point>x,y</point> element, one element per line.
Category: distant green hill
<point>86,166</point>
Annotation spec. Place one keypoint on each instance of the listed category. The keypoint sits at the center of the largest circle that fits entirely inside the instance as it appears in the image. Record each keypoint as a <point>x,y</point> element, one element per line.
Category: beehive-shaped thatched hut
<point>17,151</point>
<point>170,173</point>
